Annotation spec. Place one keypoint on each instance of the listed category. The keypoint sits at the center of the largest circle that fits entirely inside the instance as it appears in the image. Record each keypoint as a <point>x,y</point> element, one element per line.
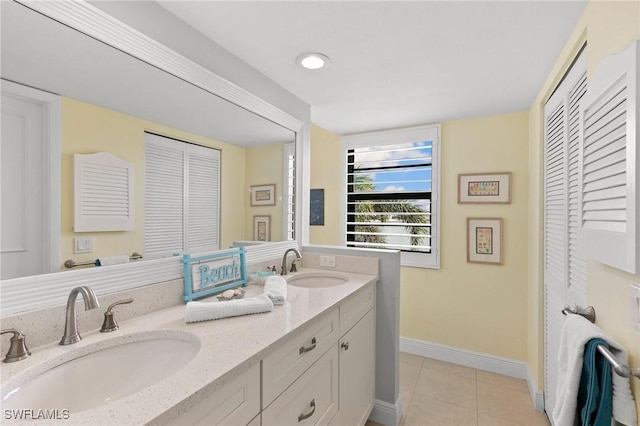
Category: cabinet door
<point>357,372</point>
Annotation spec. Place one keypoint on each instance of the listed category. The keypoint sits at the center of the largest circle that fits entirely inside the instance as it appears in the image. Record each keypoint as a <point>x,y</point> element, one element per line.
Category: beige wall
<point>265,165</point>
<point>476,307</point>
<point>87,129</point>
<point>608,27</point>
<point>325,174</point>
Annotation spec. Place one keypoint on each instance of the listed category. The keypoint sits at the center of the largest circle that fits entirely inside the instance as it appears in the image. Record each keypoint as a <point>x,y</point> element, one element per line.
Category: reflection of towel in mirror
<point>276,288</point>
<point>576,332</point>
<point>112,260</point>
<point>205,311</point>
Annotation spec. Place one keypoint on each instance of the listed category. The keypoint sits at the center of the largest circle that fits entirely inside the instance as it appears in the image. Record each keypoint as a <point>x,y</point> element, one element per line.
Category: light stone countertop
<point>227,348</point>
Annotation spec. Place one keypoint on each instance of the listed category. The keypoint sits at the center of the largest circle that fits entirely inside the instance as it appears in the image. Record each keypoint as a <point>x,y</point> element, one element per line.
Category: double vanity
<point>309,361</point>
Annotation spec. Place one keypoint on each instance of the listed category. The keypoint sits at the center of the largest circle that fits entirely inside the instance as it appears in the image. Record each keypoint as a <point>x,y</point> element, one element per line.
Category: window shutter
<point>164,197</point>
<point>289,191</point>
<point>610,159</point>
<point>203,203</point>
<point>103,193</point>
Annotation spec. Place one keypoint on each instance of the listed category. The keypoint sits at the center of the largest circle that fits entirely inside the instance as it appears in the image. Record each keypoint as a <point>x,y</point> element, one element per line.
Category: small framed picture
<point>489,188</point>
<point>316,207</point>
<point>263,195</point>
<point>262,228</point>
<point>484,240</point>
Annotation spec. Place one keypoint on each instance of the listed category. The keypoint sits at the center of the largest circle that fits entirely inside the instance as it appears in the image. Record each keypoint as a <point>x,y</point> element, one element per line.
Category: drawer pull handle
<point>345,346</point>
<point>302,417</point>
<point>308,348</point>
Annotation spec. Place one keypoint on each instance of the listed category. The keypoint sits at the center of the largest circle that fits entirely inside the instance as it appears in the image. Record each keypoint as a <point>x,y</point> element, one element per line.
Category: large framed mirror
<point>114,85</point>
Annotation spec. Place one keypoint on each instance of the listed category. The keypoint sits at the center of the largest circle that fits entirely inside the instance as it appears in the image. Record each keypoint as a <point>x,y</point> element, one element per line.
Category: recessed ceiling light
<point>313,61</point>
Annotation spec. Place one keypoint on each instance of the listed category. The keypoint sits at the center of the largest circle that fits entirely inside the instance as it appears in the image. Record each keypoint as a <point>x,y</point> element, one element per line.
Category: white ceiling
<point>395,63</point>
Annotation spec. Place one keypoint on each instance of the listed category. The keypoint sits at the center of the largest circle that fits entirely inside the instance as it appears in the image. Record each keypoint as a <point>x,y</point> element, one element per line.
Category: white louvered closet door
<point>182,197</point>
<point>564,266</point>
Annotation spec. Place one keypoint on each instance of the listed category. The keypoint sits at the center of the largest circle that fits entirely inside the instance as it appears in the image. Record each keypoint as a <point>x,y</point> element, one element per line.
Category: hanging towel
<point>576,332</point>
<point>595,391</point>
<point>112,260</point>
<point>205,311</point>
<point>276,288</point>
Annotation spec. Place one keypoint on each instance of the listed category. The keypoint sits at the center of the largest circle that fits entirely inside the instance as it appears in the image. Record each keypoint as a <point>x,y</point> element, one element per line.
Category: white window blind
<point>391,193</point>
<point>289,191</point>
<point>182,189</point>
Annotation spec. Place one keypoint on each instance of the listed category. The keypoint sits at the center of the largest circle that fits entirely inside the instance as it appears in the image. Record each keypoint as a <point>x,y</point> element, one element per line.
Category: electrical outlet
<point>328,261</point>
<point>635,306</point>
<point>83,245</point>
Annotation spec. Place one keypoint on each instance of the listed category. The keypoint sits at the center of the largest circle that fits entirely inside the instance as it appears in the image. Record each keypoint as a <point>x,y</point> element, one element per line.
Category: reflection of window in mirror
<point>182,202</point>
<point>289,191</point>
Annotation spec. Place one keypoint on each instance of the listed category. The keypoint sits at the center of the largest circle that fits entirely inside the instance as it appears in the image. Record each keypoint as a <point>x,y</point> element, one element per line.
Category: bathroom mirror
<point>109,88</point>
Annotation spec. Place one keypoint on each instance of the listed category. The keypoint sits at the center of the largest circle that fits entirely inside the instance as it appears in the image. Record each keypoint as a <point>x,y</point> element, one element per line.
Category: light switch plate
<point>635,306</point>
<point>83,245</point>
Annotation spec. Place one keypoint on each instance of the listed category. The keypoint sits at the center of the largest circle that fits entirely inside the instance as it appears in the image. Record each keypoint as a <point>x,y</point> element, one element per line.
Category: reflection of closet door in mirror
<point>25,243</point>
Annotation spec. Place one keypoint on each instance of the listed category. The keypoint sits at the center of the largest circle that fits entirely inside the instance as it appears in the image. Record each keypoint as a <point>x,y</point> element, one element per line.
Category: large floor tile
<point>457,389</point>
<point>408,376</point>
<point>487,420</point>
<point>448,368</point>
<point>426,411</point>
<point>411,359</point>
<point>504,381</point>
<point>508,404</point>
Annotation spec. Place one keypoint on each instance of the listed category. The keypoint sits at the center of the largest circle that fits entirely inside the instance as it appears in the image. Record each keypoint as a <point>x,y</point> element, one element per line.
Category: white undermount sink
<point>316,279</point>
<point>104,375</point>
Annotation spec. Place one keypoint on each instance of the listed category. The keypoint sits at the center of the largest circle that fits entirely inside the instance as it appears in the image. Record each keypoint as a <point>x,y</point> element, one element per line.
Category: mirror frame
<point>52,289</point>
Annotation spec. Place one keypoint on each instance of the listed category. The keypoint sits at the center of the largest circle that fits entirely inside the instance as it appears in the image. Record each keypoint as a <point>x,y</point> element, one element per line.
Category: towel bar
<point>70,263</point>
<point>590,313</point>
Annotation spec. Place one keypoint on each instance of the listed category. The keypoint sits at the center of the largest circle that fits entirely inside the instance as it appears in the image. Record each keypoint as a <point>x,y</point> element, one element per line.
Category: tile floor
<point>442,394</point>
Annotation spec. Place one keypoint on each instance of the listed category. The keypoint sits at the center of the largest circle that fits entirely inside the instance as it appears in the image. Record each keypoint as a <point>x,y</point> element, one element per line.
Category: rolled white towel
<point>112,260</point>
<point>276,288</point>
<point>205,311</point>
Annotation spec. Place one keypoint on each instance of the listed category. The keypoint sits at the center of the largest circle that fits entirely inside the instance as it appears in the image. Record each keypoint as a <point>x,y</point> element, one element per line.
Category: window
<point>182,203</point>
<point>391,193</point>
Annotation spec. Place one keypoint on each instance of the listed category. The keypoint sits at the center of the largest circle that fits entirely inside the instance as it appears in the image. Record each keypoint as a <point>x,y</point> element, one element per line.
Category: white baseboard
<point>385,413</point>
<point>485,362</point>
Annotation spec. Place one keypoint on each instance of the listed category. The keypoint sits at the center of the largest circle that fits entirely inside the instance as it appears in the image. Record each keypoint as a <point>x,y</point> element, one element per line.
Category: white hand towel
<point>205,311</point>
<point>276,288</point>
<point>576,332</point>
<point>112,260</point>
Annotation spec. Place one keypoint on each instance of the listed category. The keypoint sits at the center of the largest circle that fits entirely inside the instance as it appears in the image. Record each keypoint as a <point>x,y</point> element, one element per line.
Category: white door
<point>564,266</point>
<point>27,246</point>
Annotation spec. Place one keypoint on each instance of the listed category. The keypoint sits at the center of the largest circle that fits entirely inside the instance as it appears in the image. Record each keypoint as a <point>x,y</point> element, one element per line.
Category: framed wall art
<point>263,195</point>
<point>487,188</point>
<point>484,240</point>
<point>262,228</point>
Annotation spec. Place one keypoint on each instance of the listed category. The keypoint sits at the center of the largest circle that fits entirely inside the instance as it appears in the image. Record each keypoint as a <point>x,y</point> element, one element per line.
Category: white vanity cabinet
<point>323,375</point>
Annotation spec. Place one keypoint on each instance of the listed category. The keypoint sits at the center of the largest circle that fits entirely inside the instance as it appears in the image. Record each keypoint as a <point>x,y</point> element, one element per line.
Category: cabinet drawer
<point>235,403</point>
<point>312,399</point>
<point>356,306</point>
<point>283,366</point>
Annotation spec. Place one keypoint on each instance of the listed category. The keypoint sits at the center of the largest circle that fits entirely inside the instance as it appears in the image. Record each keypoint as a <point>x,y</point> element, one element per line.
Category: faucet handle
<point>272,268</point>
<point>109,323</point>
<point>18,349</point>
<point>294,268</point>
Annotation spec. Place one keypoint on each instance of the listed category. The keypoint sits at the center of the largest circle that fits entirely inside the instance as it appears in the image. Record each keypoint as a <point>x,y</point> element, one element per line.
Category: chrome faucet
<point>293,264</point>
<point>70,325</point>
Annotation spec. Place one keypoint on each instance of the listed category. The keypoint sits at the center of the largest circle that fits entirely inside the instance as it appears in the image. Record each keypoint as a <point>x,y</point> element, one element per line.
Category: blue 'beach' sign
<point>213,273</point>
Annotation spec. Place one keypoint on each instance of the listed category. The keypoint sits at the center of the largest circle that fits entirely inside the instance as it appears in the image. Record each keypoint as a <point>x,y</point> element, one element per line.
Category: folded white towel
<point>576,332</point>
<point>112,260</point>
<point>276,288</point>
<point>205,311</point>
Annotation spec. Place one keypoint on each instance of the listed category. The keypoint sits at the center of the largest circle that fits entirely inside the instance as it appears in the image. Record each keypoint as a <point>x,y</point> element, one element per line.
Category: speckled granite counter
<point>227,347</point>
